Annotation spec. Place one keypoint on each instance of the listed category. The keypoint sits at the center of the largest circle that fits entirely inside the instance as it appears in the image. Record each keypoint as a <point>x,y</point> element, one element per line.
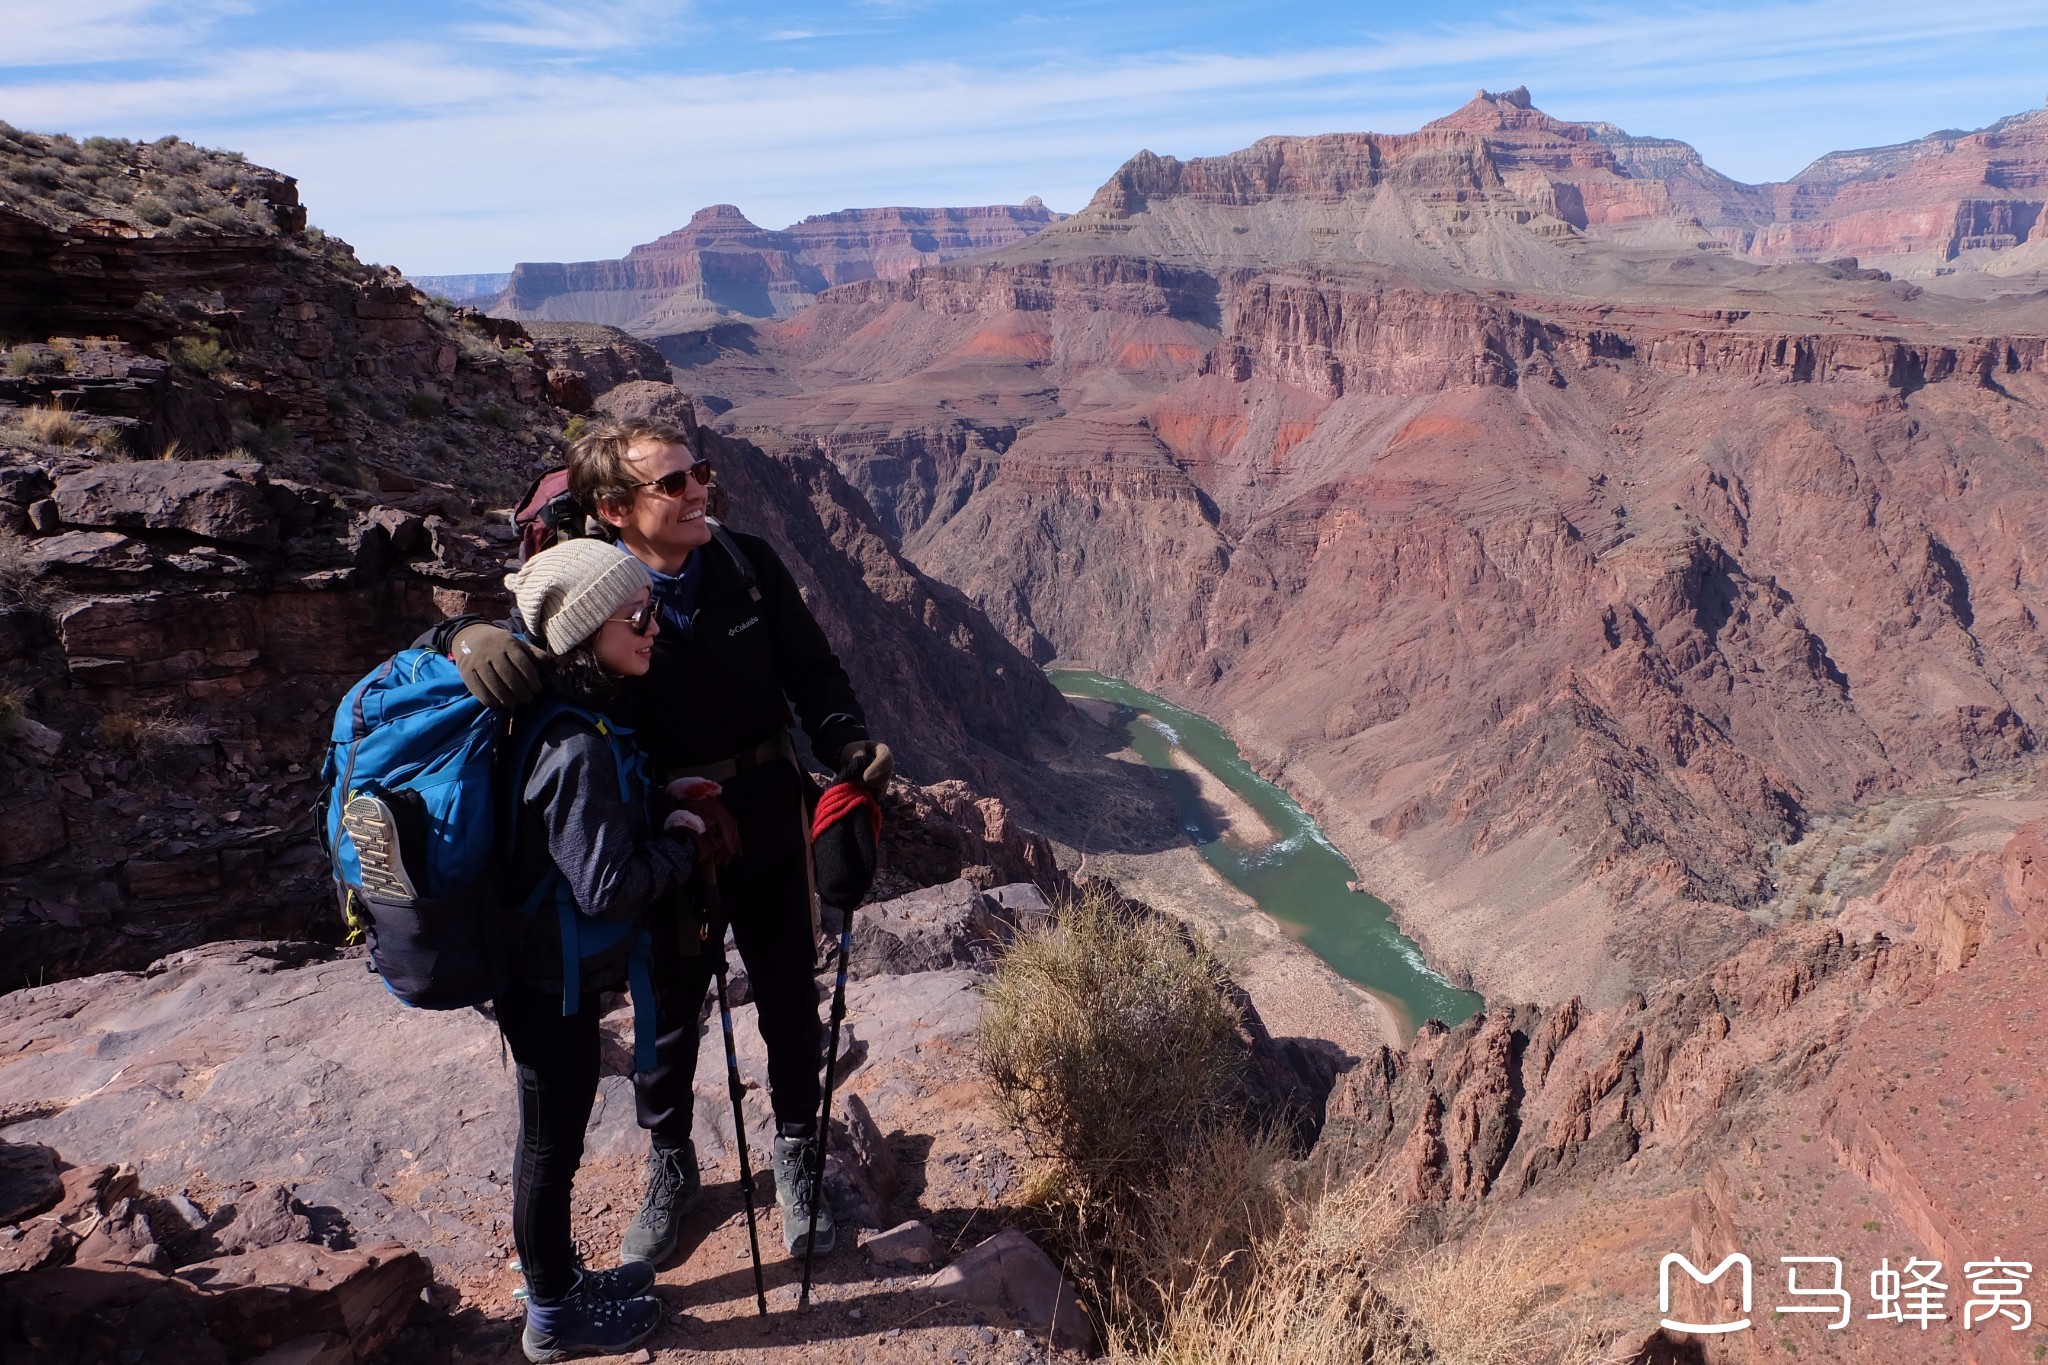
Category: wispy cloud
<point>588,26</point>
<point>444,157</point>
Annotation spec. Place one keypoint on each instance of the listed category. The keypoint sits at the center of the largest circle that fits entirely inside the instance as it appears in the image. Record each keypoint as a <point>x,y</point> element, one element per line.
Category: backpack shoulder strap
<point>739,559</point>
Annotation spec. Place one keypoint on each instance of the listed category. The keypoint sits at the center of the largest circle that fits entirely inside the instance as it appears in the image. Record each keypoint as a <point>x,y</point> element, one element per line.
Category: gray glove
<point>497,667</point>
<point>869,764</point>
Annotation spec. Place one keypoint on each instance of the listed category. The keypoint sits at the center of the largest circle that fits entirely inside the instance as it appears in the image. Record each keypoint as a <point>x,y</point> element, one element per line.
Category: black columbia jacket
<point>718,690</point>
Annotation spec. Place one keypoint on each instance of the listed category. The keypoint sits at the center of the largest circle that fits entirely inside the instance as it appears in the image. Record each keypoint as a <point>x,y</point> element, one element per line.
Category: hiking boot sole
<point>367,822</point>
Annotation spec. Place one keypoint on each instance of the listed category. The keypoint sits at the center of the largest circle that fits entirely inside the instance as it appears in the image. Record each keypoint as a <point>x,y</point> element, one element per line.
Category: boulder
<point>649,399</point>
<point>569,389</point>
<point>220,500</point>
<point>906,1244</point>
<point>261,1299</point>
<point>28,1181</point>
<point>35,829</point>
<point>1010,1274</point>
<point>955,924</point>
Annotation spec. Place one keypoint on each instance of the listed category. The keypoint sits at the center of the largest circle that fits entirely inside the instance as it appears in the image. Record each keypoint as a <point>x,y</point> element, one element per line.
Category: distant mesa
<point>723,266</point>
<point>467,289</point>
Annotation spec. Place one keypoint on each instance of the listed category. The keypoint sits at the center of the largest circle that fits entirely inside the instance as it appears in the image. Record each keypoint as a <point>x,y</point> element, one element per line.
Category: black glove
<point>869,764</point>
<point>497,667</point>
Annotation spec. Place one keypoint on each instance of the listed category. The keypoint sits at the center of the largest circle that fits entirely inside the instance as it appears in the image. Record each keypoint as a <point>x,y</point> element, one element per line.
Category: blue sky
<point>447,136</point>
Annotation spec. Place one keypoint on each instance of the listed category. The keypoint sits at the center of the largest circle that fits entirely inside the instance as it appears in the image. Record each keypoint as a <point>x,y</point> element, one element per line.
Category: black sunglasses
<point>671,485</point>
<point>640,620</point>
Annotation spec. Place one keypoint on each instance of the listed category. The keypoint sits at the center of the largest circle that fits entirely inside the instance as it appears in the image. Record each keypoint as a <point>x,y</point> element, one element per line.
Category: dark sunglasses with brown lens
<point>671,485</point>
<point>640,620</point>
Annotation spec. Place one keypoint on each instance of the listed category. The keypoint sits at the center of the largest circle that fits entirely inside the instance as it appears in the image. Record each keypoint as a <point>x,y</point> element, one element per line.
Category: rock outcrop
<point>1887,1071</point>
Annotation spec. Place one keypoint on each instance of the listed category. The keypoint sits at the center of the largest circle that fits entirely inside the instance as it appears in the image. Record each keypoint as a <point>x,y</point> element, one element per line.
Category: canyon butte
<point>1636,572</point>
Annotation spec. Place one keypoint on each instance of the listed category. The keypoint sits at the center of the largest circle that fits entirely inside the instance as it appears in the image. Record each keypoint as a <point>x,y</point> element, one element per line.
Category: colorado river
<point>1263,843</point>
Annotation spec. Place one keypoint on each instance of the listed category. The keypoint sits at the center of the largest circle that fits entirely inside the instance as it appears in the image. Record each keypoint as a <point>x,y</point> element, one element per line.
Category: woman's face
<point>616,644</point>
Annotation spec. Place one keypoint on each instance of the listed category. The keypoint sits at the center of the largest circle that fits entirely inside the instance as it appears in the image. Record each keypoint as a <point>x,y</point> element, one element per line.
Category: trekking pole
<point>734,1084</point>
<point>845,833</point>
<point>817,1173</point>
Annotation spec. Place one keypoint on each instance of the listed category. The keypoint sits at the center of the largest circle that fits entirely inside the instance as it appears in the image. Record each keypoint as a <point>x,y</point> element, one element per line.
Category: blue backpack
<point>420,821</point>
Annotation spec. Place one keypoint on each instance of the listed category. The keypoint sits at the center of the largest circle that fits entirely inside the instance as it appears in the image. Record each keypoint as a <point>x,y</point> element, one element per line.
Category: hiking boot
<point>373,830</point>
<point>673,1189</point>
<point>626,1280</point>
<point>794,1158</point>
<point>585,1323</point>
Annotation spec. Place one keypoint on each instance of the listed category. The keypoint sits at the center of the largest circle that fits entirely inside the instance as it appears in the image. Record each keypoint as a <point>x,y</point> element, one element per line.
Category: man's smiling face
<point>661,531</point>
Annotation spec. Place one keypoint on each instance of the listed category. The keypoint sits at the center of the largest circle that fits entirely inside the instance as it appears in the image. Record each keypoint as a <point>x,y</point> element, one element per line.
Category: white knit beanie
<point>569,589</point>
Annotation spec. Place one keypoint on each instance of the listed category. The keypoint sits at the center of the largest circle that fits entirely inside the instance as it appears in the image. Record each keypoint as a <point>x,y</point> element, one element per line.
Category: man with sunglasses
<point>737,651</point>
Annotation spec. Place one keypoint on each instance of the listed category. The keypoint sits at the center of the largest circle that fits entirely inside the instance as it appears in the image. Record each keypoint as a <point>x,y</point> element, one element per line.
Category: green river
<point>1299,878</point>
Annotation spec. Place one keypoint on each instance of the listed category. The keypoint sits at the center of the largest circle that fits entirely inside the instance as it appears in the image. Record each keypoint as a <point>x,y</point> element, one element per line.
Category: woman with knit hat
<point>592,863</point>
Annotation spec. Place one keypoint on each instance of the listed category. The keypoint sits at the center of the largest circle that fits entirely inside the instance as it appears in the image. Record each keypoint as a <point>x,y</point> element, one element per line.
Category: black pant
<point>557,1060</point>
<point>766,895</point>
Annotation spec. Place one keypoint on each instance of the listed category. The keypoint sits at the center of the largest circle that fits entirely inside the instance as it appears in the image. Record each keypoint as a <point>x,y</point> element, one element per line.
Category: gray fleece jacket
<point>572,815</point>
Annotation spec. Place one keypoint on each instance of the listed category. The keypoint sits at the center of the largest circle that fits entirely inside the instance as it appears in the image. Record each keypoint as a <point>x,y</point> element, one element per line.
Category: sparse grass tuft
<point>52,425</point>
<point>111,443</point>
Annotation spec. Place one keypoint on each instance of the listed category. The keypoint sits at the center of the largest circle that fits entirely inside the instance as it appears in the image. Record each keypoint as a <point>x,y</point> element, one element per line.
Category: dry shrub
<point>13,705</point>
<point>1492,1301</point>
<point>150,737</point>
<point>52,425</point>
<point>1335,1282</point>
<point>1110,1042</point>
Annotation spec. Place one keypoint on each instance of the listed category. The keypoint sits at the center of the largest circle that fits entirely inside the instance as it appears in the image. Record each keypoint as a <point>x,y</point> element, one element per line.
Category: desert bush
<point>1110,1042</point>
<point>422,407</point>
<point>52,425</point>
<point>576,427</point>
<point>201,355</point>
<point>153,210</point>
<point>496,415</point>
